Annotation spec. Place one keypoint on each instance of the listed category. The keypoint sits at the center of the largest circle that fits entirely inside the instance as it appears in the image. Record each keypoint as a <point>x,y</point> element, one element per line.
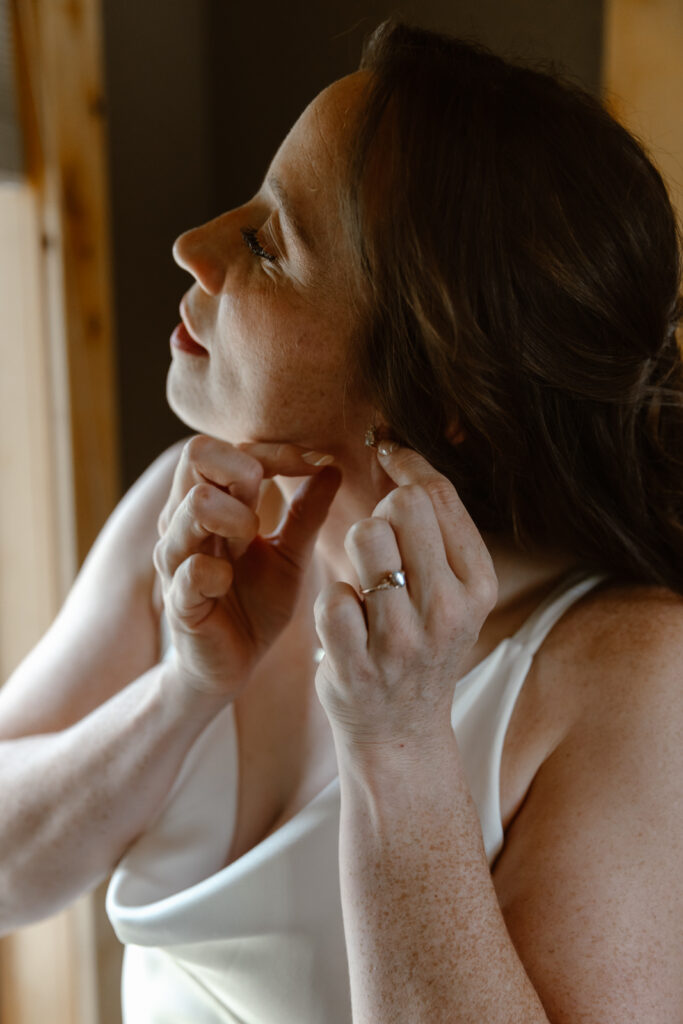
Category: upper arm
<point>106,633</point>
<point>589,879</point>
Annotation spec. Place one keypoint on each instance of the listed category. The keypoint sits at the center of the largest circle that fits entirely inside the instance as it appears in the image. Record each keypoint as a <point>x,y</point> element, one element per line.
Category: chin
<point>189,404</point>
<point>191,407</point>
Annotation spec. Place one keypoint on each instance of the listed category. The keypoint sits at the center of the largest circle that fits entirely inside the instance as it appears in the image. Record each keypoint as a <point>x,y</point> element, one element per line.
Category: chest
<point>286,749</point>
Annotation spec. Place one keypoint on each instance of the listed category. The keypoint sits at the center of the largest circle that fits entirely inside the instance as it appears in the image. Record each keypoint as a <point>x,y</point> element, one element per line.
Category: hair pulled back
<point>521,262</point>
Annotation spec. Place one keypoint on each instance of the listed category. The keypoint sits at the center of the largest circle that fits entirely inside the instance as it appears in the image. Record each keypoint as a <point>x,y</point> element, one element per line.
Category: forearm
<point>74,800</point>
<point>425,936</point>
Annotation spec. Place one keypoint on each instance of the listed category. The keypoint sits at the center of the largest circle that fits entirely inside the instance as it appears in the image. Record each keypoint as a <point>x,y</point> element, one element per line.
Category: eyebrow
<point>278,190</point>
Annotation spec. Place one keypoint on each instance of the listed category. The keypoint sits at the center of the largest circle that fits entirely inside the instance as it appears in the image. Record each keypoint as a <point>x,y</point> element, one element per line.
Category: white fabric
<point>261,941</point>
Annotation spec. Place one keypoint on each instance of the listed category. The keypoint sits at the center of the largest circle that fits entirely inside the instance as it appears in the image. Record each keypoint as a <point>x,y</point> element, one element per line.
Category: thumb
<point>298,530</point>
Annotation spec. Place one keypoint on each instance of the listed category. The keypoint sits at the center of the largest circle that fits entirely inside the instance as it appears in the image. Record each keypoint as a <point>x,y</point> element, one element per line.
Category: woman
<point>450,309</point>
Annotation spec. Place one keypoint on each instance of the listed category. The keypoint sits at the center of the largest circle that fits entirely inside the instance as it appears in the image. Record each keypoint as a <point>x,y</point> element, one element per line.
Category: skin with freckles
<point>278,332</point>
<point>432,935</point>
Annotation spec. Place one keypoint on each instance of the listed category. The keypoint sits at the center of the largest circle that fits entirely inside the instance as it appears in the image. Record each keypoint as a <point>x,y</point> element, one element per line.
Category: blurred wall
<point>201,92</point>
<point>156,85</point>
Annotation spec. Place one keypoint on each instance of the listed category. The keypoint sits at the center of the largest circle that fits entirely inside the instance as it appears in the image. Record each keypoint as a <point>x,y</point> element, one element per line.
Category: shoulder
<point>613,666</point>
<point>131,530</point>
<point>614,660</point>
<point>622,644</point>
<point>149,492</point>
<point>117,578</point>
<point>622,659</point>
<point>585,875</point>
<point>81,660</point>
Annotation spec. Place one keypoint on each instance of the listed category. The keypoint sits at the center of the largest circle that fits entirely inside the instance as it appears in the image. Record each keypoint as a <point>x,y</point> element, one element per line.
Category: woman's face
<point>271,303</point>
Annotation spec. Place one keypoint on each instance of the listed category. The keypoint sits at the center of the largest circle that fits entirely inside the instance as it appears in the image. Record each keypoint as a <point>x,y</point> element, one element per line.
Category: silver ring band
<point>390,581</point>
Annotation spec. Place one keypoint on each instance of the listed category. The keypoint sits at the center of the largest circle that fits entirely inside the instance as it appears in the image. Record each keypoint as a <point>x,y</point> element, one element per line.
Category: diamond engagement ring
<point>390,581</point>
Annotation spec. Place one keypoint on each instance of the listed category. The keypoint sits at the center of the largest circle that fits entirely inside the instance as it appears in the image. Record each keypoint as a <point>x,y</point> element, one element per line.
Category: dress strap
<point>569,590</point>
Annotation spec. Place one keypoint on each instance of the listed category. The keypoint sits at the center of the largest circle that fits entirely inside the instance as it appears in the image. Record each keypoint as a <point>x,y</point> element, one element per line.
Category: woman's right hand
<point>228,592</point>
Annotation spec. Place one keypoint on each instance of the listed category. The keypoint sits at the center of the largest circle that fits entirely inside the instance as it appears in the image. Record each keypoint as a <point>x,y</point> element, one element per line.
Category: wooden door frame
<point>60,439</point>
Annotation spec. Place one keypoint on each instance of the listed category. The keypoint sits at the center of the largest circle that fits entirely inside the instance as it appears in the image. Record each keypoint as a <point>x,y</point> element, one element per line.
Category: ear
<point>455,432</point>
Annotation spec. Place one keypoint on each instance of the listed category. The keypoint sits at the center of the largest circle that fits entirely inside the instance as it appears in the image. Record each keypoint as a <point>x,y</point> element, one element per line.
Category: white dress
<point>261,941</point>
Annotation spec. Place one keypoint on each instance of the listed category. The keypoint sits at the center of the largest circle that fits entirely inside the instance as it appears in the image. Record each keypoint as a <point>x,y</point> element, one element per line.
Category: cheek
<point>284,338</point>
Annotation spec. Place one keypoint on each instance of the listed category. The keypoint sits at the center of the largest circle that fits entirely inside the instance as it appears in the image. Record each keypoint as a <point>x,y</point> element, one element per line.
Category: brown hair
<point>522,266</point>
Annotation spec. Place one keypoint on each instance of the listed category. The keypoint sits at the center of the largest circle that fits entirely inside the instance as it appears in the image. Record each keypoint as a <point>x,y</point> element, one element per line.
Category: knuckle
<point>199,498</point>
<point>329,602</point>
<point>193,569</point>
<point>159,557</point>
<point>162,522</point>
<point>248,467</point>
<point>440,490</point>
<point>485,591</point>
<point>409,498</point>
<point>251,470</point>
<point>367,532</point>
<point>445,609</point>
<point>196,449</point>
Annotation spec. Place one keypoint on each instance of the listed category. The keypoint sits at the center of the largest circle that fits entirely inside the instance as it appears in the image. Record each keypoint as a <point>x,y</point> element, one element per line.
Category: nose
<point>199,251</point>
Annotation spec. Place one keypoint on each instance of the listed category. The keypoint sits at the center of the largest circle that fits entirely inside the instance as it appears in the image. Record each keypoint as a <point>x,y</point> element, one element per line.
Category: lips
<point>185,337</point>
<point>187,321</point>
<point>183,340</point>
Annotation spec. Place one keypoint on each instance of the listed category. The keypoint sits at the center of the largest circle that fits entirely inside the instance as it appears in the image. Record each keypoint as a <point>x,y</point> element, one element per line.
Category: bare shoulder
<point>619,646</point>
<point>121,556</point>
<point>106,633</point>
<point>589,875</point>
<point>138,510</point>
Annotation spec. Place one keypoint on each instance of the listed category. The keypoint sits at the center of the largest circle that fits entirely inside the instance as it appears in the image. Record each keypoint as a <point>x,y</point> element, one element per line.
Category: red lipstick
<point>180,339</point>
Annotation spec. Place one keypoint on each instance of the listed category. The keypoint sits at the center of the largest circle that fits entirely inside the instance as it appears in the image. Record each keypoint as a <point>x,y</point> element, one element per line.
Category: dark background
<point>201,92</point>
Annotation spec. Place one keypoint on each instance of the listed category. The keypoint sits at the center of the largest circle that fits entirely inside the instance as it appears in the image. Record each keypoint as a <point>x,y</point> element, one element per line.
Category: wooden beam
<point>58,429</point>
<point>64,41</point>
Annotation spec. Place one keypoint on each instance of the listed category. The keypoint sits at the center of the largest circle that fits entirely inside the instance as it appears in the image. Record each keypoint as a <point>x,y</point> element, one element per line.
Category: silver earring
<point>371,437</point>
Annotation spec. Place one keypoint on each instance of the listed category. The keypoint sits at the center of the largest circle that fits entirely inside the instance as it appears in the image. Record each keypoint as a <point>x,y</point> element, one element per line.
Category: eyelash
<point>254,246</point>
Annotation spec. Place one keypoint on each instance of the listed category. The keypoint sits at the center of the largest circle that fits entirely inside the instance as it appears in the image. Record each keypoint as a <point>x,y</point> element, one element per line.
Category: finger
<point>297,532</point>
<point>286,459</point>
<point>467,554</point>
<point>196,586</point>
<point>373,552</point>
<point>340,624</point>
<point>203,512</point>
<point>237,469</point>
<point>207,459</point>
<point>409,511</point>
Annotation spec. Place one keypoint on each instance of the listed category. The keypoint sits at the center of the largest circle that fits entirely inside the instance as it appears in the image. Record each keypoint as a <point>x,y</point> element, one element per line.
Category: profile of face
<point>270,302</point>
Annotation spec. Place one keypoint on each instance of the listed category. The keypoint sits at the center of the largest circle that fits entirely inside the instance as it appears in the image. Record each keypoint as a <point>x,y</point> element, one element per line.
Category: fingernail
<point>387,447</point>
<point>317,458</point>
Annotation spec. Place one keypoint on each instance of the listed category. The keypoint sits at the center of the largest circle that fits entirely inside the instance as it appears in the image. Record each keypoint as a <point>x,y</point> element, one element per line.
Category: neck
<point>523,577</point>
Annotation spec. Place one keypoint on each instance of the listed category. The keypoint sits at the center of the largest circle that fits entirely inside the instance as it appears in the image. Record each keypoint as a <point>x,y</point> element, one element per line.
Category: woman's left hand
<point>393,657</point>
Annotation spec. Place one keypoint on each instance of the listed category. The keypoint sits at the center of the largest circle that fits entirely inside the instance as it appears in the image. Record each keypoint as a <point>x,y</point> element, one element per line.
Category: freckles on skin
<point>280,335</point>
<point>296,375</point>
